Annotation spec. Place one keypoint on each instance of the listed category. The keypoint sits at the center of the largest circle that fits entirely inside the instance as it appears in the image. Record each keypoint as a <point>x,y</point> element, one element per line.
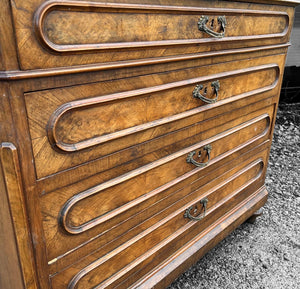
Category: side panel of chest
<point>134,135</point>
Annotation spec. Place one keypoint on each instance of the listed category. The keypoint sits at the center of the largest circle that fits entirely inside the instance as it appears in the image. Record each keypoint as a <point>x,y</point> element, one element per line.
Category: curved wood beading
<point>40,73</point>
<point>92,266</point>
<point>200,245</point>
<point>72,202</point>
<point>69,5</point>
<point>86,103</point>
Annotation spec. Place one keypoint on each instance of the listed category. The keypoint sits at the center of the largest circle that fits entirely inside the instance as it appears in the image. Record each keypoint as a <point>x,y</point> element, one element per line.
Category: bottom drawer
<point>192,251</point>
<point>224,189</point>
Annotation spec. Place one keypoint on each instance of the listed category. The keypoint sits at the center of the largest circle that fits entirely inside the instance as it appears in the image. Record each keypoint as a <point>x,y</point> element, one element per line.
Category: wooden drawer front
<point>65,33</point>
<point>104,212</point>
<point>168,230</point>
<point>70,126</point>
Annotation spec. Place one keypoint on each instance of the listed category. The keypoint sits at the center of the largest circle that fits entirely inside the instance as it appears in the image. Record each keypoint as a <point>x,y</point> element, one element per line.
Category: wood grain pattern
<point>8,53</point>
<point>107,204</point>
<point>253,172</point>
<point>55,236</point>
<point>205,241</point>
<point>113,165</point>
<point>71,72</point>
<point>29,42</point>
<point>76,125</point>
<point>276,2</point>
<point>97,121</point>
<point>136,220</point>
<point>85,127</point>
<point>70,26</point>
<point>22,274</point>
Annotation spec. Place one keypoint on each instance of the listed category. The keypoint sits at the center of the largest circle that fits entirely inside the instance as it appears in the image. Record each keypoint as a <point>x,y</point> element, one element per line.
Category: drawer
<point>74,125</point>
<point>100,214</point>
<point>72,33</point>
<point>165,232</point>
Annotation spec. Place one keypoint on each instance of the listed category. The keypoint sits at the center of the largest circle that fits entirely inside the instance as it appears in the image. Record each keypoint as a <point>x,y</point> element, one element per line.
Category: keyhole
<point>199,154</point>
<point>205,90</point>
<point>212,23</point>
<point>195,210</point>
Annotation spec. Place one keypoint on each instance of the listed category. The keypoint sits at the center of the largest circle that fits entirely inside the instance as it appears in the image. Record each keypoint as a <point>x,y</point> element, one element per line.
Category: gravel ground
<point>266,254</point>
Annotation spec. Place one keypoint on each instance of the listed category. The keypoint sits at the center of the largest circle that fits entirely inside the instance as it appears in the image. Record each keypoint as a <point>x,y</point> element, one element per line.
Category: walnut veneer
<point>134,134</point>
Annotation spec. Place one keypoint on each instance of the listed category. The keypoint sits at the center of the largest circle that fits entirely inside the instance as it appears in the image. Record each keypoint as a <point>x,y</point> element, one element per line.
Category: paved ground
<point>266,254</point>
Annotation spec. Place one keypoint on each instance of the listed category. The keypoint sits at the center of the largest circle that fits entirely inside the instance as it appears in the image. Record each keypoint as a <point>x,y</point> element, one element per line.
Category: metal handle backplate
<point>190,156</point>
<point>215,85</point>
<point>202,26</point>
<point>194,209</point>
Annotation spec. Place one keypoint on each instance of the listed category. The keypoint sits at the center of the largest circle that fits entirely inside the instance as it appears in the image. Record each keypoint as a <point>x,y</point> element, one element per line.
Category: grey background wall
<point>293,57</point>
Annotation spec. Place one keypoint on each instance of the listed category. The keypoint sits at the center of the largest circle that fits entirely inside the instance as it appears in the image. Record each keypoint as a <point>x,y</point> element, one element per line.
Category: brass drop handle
<point>194,209</point>
<point>215,85</point>
<point>190,159</point>
<point>203,27</point>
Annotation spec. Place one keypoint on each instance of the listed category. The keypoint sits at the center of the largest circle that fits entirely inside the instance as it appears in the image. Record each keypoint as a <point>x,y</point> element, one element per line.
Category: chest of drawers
<point>134,134</point>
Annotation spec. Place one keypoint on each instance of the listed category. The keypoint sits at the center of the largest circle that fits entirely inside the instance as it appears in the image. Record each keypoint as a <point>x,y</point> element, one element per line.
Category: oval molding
<point>67,207</point>
<point>70,6</point>
<point>54,119</point>
<point>73,283</point>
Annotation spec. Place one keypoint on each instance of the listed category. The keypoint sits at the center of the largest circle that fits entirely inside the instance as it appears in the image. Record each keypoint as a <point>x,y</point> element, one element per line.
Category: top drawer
<point>68,33</point>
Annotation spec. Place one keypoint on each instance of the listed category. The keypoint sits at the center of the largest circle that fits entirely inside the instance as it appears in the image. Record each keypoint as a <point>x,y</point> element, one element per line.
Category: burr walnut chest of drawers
<point>135,134</point>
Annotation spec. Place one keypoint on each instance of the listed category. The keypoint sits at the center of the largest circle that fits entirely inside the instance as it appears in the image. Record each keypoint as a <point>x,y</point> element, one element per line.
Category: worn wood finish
<point>73,75</point>
<point>97,125</point>
<point>174,198</point>
<point>72,119</point>
<point>170,193</point>
<point>11,269</point>
<point>74,208</point>
<point>205,241</point>
<point>54,28</point>
<point>8,51</point>
<point>70,26</point>
<point>165,233</point>
<point>14,214</point>
<point>75,125</point>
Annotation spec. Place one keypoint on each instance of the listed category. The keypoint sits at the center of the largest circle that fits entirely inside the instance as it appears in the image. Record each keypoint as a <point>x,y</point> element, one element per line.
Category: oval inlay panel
<point>70,26</point>
<point>98,204</point>
<point>95,275</point>
<point>81,124</point>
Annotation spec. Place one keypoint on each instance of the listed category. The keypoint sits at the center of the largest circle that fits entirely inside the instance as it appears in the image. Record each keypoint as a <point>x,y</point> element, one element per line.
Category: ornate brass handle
<point>190,159</point>
<point>216,87</point>
<point>202,26</point>
<point>194,209</point>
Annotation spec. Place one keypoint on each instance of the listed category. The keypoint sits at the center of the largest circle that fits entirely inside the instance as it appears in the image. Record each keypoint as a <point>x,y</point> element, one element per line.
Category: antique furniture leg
<point>257,214</point>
